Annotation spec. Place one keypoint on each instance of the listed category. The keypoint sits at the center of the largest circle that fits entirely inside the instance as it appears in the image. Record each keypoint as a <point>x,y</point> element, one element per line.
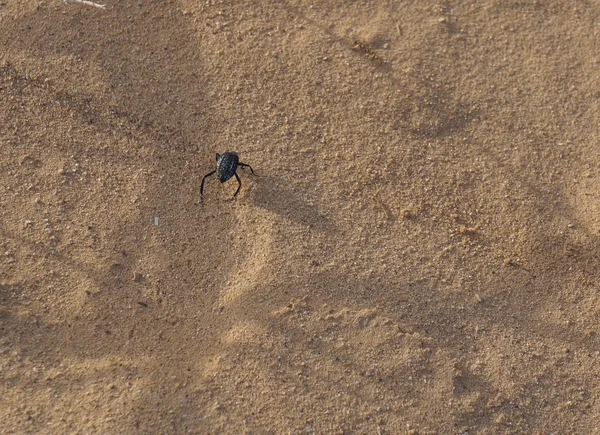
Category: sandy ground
<point>418,251</point>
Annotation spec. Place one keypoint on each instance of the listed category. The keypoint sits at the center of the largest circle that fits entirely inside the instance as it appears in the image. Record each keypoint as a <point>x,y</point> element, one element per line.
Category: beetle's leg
<point>237,177</point>
<point>218,155</point>
<point>202,185</point>
<point>244,164</point>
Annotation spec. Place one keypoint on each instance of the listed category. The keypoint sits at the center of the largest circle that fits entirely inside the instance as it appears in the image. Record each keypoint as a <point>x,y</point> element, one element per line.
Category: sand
<point>417,253</point>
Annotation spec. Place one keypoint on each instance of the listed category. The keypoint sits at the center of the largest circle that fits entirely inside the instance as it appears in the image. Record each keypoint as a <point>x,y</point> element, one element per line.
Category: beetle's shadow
<point>272,196</point>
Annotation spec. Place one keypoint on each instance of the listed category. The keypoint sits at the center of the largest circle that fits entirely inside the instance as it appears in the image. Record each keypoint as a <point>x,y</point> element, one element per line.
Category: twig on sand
<point>86,2</point>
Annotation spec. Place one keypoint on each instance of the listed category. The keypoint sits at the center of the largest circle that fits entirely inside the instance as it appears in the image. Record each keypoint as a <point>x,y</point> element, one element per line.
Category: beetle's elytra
<point>227,164</point>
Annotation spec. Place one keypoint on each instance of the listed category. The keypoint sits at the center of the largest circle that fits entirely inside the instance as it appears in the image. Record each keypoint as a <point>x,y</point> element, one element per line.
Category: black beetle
<point>227,164</point>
